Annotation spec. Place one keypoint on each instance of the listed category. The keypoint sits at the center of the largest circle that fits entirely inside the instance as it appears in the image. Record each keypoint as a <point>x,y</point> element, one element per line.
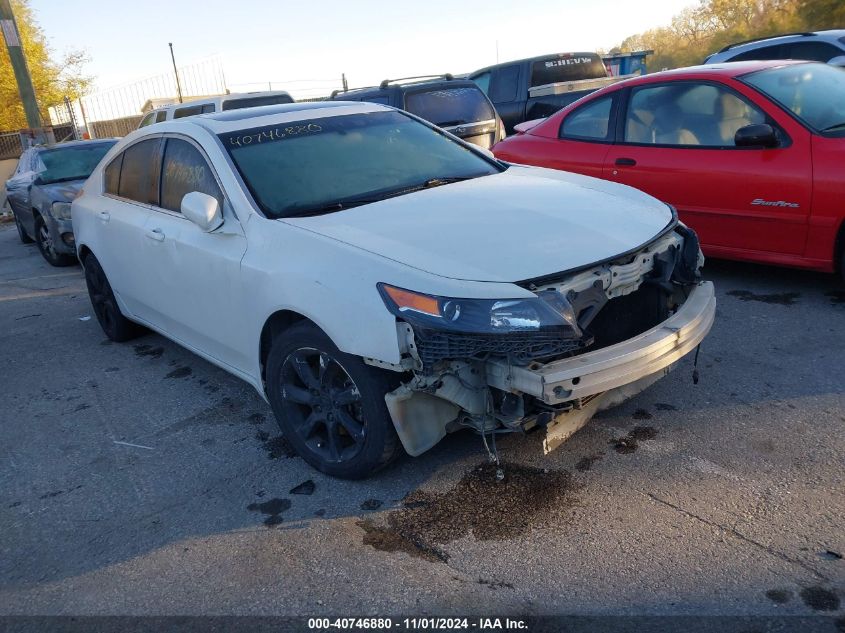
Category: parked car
<point>234,101</point>
<point>455,105</point>
<point>821,46</point>
<point>41,189</point>
<point>537,87</point>
<point>750,153</point>
<point>381,283</point>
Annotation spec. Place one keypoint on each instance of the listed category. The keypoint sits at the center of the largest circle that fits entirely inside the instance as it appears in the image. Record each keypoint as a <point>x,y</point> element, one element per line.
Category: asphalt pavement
<point>139,479</point>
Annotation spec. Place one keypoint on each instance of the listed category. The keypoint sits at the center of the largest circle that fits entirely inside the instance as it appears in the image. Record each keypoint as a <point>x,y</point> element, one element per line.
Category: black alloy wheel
<point>116,326</point>
<point>324,405</point>
<point>330,405</point>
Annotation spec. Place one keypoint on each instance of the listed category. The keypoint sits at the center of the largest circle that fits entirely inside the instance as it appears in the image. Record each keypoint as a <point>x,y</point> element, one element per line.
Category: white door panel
<point>194,285</point>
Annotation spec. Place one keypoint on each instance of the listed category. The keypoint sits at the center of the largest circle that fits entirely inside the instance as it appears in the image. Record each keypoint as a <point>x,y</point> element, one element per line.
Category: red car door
<point>580,144</point>
<point>677,145</point>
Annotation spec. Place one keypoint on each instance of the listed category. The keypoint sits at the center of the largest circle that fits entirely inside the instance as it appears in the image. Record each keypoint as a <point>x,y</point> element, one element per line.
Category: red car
<point>752,154</point>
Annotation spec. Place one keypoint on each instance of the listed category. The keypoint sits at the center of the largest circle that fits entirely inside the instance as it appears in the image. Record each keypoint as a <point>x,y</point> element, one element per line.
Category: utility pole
<point>343,80</point>
<point>25,89</point>
<point>175,72</point>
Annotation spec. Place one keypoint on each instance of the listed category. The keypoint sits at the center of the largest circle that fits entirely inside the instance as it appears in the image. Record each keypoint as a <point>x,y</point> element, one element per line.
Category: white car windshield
<point>815,93</point>
<point>328,164</point>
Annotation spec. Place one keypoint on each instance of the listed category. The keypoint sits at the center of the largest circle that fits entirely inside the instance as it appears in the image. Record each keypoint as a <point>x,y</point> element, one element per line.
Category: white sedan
<point>382,283</point>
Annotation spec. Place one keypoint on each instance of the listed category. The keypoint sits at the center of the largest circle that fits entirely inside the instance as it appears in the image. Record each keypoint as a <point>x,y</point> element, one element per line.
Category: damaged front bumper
<point>609,376</point>
<point>569,391</point>
<point>595,372</point>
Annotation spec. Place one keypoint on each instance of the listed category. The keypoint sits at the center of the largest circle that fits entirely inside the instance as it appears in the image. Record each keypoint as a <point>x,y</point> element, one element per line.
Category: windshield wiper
<point>349,203</point>
<point>831,128</point>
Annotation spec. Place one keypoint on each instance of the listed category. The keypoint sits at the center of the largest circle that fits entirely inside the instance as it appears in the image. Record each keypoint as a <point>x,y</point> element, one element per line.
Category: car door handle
<point>156,234</point>
<point>105,216</point>
<point>629,162</point>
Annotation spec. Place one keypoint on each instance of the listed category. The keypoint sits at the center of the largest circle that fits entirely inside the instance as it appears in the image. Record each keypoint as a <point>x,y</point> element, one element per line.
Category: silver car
<point>40,191</point>
<point>820,46</point>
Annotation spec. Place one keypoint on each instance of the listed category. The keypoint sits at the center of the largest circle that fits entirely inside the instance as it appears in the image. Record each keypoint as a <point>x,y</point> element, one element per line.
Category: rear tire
<point>45,245</point>
<point>116,326</point>
<point>330,405</point>
<point>25,239</point>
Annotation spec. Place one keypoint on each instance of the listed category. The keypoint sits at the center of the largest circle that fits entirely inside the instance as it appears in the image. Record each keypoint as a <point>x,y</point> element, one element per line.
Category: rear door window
<point>450,106</point>
<point>589,122</point>
<point>764,52</point>
<point>183,170</point>
<point>161,116</point>
<point>567,67</point>
<point>504,84</point>
<point>138,170</point>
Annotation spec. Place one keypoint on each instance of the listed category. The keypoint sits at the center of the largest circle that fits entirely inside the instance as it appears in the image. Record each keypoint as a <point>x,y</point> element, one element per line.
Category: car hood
<point>60,191</point>
<point>523,223</point>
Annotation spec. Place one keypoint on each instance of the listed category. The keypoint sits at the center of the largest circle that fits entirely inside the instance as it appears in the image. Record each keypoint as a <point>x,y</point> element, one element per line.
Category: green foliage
<point>52,77</point>
<point>702,29</point>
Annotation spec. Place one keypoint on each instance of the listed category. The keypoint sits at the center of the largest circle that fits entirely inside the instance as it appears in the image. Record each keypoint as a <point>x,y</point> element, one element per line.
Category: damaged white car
<point>382,283</point>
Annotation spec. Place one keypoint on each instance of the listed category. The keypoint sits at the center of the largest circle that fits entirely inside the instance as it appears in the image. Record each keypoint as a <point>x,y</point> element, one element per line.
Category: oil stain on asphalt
<point>148,350</point>
<point>631,442</point>
<point>819,598</point>
<point>779,596</point>
<point>783,298</point>
<point>586,463</point>
<point>180,372</point>
<point>480,505</point>
<point>273,508</point>
<point>276,447</point>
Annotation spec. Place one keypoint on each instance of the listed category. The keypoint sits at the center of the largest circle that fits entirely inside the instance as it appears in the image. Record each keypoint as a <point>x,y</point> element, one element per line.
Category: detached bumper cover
<point>653,351</point>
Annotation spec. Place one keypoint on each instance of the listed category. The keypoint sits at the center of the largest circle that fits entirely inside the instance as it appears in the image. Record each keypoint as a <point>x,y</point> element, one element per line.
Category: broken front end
<point>588,339</point>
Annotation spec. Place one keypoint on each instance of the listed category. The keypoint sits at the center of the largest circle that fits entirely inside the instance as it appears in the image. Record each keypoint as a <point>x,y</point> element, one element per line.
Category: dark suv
<point>456,105</point>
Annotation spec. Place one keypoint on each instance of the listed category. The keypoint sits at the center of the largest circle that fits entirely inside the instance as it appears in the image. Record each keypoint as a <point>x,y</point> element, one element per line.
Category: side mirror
<point>757,135</point>
<point>839,61</point>
<point>203,210</point>
<point>485,151</point>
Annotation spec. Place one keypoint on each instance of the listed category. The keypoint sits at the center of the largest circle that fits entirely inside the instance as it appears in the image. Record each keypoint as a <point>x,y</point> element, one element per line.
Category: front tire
<point>116,326</point>
<point>25,239</point>
<point>330,405</point>
<point>46,246</point>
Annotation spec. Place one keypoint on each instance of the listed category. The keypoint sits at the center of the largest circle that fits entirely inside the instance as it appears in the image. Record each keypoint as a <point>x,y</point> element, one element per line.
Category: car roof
<point>721,69</point>
<point>407,85</point>
<point>245,118</point>
<point>736,47</point>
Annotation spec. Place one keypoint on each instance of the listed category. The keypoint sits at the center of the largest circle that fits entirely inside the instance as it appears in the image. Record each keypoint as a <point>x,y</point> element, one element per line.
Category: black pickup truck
<point>537,87</point>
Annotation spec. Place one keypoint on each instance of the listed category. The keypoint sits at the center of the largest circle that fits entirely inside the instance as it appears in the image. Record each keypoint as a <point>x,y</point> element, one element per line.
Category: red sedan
<point>752,154</point>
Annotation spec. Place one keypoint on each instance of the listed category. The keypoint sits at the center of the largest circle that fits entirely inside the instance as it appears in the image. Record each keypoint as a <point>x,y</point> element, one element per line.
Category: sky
<point>307,45</point>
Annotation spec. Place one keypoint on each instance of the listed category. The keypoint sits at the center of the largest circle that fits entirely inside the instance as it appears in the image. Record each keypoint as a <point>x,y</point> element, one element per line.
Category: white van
<point>232,101</point>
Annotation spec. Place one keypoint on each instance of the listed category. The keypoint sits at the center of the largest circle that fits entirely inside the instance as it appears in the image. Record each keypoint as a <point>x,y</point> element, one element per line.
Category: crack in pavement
<point>740,536</point>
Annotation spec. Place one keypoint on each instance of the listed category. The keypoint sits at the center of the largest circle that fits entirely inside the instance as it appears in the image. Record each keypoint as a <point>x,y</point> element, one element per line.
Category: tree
<point>53,78</point>
<point>702,29</point>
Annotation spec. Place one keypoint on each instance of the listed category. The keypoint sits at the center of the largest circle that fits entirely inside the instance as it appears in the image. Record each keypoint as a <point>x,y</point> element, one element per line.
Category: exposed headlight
<point>549,310</point>
<point>61,210</point>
